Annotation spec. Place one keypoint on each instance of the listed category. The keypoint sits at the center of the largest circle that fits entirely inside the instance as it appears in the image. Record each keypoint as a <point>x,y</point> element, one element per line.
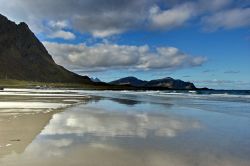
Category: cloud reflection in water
<point>118,124</point>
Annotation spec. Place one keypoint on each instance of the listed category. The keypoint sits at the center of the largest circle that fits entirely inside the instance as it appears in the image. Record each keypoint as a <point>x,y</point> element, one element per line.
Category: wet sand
<point>121,131</point>
<point>24,114</point>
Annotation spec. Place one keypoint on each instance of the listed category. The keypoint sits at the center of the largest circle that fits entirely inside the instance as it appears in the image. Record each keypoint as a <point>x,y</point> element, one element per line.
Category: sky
<point>205,42</point>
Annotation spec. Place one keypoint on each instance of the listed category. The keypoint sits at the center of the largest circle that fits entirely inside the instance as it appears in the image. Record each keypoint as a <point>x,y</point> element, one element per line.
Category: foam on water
<point>30,105</point>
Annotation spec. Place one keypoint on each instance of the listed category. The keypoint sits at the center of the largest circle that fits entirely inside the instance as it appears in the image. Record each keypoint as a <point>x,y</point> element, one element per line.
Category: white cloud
<point>228,19</point>
<point>106,33</point>
<point>110,56</point>
<point>173,17</point>
<point>62,34</point>
<point>58,24</point>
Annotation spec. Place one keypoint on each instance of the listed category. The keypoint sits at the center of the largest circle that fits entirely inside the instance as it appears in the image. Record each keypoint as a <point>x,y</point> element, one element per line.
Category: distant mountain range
<point>132,81</point>
<point>164,83</point>
<point>23,57</point>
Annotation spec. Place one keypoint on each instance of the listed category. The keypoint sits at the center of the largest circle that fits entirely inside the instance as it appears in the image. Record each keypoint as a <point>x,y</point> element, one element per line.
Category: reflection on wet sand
<point>117,124</point>
<point>19,130</point>
<point>85,136</point>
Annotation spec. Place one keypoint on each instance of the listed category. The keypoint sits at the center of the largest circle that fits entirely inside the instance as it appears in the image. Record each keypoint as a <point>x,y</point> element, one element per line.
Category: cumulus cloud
<point>106,33</point>
<point>59,29</point>
<point>59,24</point>
<point>106,56</point>
<point>62,34</point>
<point>173,17</point>
<point>228,19</point>
<point>105,18</point>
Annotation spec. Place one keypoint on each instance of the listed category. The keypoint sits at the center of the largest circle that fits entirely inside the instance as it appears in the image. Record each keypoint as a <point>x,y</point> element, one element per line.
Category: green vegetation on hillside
<point>29,84</point>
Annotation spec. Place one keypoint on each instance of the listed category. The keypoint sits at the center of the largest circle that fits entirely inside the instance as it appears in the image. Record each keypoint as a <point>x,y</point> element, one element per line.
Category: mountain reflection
<point>125,101</point>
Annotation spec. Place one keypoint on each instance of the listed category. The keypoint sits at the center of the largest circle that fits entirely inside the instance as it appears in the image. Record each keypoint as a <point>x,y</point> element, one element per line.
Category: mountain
<point>95,79</point>
<point>165,83</point>
<point>23,57</point>
<point>170,83</point>
<point>133,81</point>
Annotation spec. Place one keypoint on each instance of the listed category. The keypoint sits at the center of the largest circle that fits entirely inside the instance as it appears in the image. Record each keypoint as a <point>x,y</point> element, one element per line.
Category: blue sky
<point>206,42</point>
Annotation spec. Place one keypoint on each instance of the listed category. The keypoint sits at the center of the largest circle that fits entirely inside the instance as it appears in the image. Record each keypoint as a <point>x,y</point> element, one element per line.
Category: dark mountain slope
<point>133,81</point>
<point>170,83</point>
<point>165,83</point>
<point>23,57</point>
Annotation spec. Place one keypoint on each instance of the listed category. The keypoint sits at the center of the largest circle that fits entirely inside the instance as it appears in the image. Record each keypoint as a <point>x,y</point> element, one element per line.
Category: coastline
<point>85,86</point>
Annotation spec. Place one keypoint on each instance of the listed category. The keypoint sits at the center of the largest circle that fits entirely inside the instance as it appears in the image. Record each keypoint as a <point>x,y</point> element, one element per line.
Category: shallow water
<point>123,128</point>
